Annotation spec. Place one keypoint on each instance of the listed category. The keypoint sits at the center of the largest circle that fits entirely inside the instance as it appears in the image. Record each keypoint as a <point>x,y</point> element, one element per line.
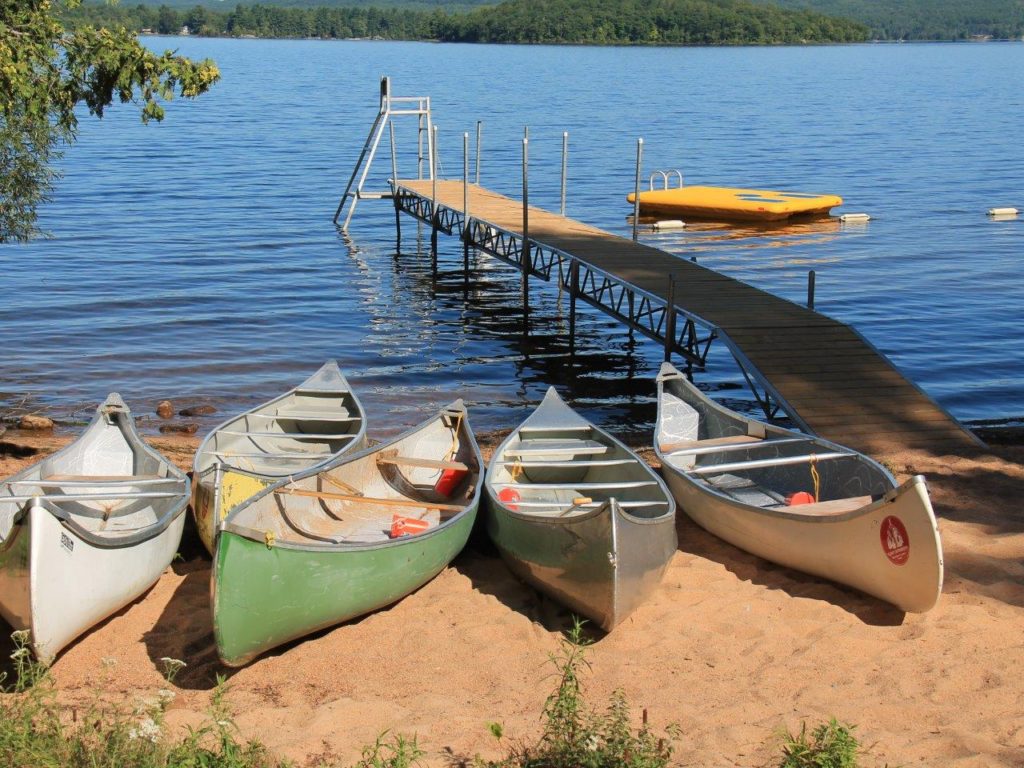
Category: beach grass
<point>36,731</point>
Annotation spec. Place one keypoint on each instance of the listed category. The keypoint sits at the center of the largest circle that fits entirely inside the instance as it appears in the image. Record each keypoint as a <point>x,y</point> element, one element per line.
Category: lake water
<point>196,259</point>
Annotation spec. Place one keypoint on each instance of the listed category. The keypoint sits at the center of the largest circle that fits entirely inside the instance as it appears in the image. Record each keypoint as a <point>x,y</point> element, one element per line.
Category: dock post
<point>465,207</point>
<point>565,164</point>
<point>433,199</point>
<point>574,288</point>
<point>479,133</point>
<point>636,188</point>
<point>670,318</point>
<point>525,250</point>
<point>394,178</point>
<point>810,289</point>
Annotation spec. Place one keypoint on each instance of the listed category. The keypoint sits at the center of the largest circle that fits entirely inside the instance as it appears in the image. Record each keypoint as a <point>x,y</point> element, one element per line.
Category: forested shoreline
<point>587,22</point>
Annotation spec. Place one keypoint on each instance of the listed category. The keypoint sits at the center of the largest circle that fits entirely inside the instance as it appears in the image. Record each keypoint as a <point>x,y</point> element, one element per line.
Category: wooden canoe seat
<point>411,461</point>
<point>832,507</point>
<point>555,447</point>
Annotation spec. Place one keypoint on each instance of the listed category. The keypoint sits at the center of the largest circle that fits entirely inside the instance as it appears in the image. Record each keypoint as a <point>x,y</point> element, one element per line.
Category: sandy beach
<point>732,648</point>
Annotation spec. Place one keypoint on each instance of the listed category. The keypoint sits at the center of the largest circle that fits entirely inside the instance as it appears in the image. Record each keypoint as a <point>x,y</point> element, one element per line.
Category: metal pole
<point>394,152</point>
<point>574,288</point>
<point>670,318</point>
<point>465,206</point>
<point>479,133</point>
<point>525,258</point>
<point>565,164</point>
<point>636,188</point>
<point>433,198</point>
<point>810,289</point>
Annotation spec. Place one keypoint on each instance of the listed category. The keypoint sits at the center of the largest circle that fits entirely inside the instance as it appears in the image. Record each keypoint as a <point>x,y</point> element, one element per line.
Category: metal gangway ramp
<point>827,377</point>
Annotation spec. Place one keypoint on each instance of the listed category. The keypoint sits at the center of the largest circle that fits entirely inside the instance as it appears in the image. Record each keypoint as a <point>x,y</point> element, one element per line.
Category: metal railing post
<point>432,148</point>
<point>670,318</point>
<point>479,134</point>
<point>636,188</point>
<point>525,250</point>
<point>565,165</point>
<point>465,206</point>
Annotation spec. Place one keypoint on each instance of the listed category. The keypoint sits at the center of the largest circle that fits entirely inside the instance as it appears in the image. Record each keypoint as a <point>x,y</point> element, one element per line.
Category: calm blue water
<point>196,260</point>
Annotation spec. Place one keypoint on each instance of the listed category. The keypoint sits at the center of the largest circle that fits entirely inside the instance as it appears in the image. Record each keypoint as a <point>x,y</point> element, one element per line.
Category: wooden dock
<point>823,373</point>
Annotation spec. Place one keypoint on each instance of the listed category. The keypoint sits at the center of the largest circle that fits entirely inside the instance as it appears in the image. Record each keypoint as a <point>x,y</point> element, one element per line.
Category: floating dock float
<point>733,204</point>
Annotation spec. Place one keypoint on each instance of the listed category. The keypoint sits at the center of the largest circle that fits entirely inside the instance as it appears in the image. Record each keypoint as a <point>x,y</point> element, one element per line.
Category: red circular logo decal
<point>895,541</point>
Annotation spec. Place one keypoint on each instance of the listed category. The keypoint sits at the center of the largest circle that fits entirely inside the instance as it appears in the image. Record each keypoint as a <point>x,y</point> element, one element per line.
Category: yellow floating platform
<point>729,203</point>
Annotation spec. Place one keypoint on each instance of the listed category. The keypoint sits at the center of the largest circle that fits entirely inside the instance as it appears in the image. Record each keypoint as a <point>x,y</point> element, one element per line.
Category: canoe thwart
<point>260,455</point>
<point>711,442</point>
<point>711,469</point>
<point>542,447</point>
<point>566,464</point>
<point>369,500</point>
<point>411,461</point>
<point>579,486</point>
<point>700,447</point>
<point>290,435</point>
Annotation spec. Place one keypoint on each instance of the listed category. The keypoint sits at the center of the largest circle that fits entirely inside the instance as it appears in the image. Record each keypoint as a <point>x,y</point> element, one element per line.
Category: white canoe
<point>301,430</point>
<point>736,476</point>
<point>87,530</point>
<point>578,515</point>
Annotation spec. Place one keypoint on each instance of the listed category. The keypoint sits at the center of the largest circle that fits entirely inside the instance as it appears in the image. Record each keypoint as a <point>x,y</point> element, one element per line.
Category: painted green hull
<point>263,597</point>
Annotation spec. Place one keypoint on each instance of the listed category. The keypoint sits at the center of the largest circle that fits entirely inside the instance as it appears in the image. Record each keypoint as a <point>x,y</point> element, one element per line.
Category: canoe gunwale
<point>469,507</point>
<point>498,506</point>
<point>356,438</point>
<point>113,413</point>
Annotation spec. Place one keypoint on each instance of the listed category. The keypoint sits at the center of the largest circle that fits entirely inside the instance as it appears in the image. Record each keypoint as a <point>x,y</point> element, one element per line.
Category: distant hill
<point>590,22</point>
<point>924,19</point>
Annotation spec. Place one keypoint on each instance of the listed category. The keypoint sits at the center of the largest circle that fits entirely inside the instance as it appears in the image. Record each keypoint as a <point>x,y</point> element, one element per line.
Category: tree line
<point>597,22</point>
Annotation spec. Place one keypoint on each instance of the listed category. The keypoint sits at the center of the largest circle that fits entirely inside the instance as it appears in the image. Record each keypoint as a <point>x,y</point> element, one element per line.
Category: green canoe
<point>330,545</point>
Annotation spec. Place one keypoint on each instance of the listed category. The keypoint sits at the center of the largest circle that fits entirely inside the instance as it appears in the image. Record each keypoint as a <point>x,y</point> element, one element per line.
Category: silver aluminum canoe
<point>87,530</point>
<point>737,478</point>
<point>305,428</point>
<point>578,515</point>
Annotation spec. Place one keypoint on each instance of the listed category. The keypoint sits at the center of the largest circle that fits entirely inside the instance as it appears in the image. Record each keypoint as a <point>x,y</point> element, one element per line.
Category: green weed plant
<point>577,736</point>
<point>830,745</point>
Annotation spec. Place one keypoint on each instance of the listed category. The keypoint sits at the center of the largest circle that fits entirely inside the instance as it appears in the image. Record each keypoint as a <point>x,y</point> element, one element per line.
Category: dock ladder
<point>390,108</point>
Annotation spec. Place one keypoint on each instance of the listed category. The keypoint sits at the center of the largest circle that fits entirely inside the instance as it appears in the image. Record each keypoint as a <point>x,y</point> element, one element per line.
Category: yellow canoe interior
<point>731,203</point>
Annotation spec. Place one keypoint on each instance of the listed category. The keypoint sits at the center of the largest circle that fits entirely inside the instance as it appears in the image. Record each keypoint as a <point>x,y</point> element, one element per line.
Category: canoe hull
<point>255,586</point>
<point>848,549</point>
<point>601,566</point>
<point>867,532</point>
<point>57,585</point>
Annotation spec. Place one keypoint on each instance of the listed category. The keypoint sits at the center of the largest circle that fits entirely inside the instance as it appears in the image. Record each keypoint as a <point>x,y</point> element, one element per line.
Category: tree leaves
<point>46,71</point>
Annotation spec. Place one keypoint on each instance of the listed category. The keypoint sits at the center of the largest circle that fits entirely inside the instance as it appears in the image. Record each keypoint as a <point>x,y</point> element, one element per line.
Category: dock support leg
<point>465,208</point>
<point>398,227</point>
<point>574,288</point>
<point>525,250</point>
<point>636,189</point>
<point>670,319</point>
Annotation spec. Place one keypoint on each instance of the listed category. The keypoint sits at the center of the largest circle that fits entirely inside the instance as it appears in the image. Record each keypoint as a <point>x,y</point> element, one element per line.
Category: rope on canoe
<point>815,477</point>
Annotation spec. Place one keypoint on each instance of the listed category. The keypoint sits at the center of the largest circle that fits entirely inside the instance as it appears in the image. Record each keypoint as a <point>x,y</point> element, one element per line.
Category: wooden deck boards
<point>836,382</point>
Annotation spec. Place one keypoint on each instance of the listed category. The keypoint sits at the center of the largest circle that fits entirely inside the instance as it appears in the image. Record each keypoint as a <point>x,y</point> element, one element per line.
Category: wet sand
<point>732,648</point>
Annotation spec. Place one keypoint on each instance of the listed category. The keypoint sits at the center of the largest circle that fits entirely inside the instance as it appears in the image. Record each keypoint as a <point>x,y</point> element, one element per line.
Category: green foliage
<point>37,732</point>
<point>575,736</point>
<point>46,72</point>
<point>831,745</point>
<point>400,752</point>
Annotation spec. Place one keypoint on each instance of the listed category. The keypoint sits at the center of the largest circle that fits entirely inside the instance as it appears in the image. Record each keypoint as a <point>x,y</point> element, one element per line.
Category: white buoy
<point>669,224</point>
<point>1002,211</point>
<point>855,217</point>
